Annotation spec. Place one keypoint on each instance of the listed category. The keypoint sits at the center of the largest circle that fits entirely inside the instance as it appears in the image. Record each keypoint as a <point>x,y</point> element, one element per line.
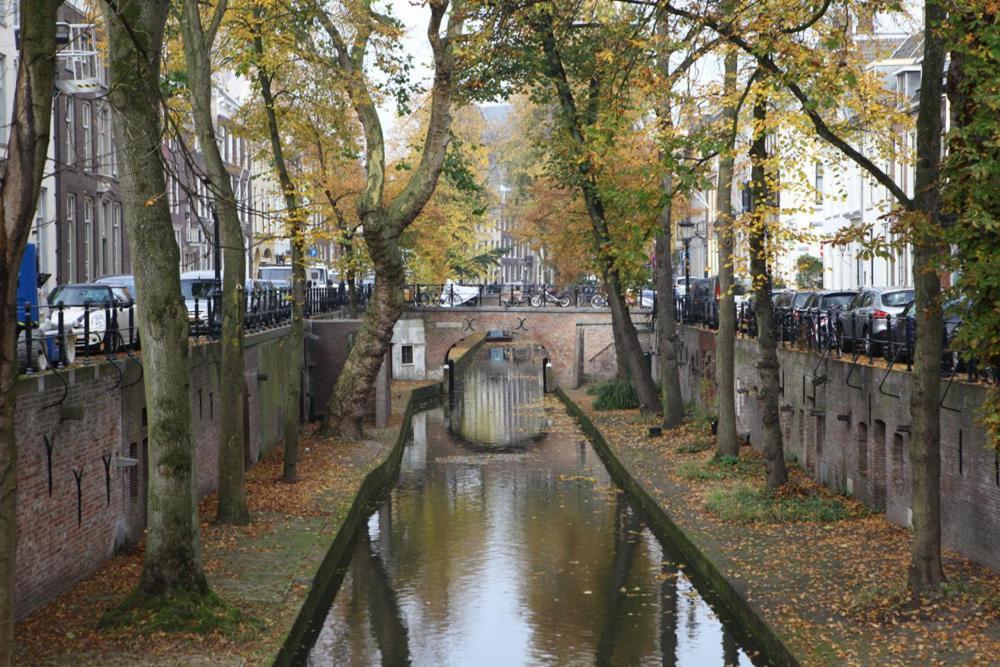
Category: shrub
<point>699,416</point>
<point>616,394</point>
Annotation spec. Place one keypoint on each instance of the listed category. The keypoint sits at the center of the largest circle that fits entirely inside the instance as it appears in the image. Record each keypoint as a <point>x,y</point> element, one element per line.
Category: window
<point>406,352</point>
<point>70,237</point>
<point>40,216</point>
<point>819,183</point>
<point>86,122</point>
<point>3,95</point>
<point>102,162</point>
<point>104,266</point>
<point>88,238</point>
<point>69,158</point>
<point>116,236</point>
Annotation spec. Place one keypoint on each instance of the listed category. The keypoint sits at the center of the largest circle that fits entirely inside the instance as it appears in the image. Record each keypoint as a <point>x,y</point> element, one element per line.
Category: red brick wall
<point>866,412</point>
<point>101,415</point>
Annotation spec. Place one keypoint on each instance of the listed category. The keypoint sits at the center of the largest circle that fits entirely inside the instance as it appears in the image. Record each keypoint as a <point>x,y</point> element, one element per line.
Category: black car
<point>818,317</point>
<point>903,334</point>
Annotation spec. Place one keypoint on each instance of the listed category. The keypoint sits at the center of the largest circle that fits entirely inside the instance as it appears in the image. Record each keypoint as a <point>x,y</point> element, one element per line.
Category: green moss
<point>181,611</point>
<point>744,503</point>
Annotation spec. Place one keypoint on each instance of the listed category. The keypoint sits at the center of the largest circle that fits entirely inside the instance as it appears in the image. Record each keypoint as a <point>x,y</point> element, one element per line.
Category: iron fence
<point>55,336</point>
<point>516,295</point>
<point>838,333</point>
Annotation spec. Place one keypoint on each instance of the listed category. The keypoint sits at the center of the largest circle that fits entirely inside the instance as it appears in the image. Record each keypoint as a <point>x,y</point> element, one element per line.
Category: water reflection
<point>513,557</point>
<point>497,401</point>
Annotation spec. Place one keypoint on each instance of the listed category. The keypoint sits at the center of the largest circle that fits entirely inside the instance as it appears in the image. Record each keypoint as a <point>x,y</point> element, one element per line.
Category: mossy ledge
<point>751,619</point>
<point>328,576</point>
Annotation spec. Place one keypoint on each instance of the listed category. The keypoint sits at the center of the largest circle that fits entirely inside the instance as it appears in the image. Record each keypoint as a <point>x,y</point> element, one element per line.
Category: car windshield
<point>195,288</point>
<point>275,273</point>
<point>837,300</point>
<point>801,298</point>
<point>80,295</point>
<point>896,299</point>
<point>122,294</point>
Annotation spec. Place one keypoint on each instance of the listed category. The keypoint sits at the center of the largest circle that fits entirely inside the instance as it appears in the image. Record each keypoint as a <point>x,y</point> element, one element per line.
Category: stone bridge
<point>579,341</point>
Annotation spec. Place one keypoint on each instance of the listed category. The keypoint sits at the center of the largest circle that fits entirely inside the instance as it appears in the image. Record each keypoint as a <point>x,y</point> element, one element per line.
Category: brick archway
<point>567,334</point>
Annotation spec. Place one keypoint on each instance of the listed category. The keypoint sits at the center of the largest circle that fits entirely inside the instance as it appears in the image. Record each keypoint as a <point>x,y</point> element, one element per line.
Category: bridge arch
<point>570,336</point>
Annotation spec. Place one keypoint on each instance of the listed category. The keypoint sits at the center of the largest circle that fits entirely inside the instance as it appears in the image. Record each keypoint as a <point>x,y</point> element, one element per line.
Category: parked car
<point>821,314</point>
<point>124,280</point>
<point>680,286</point>
<point>86,311</point>
<point>864,321</point>
<point>198,288</point>
<point>281,272</point>
<point>903,333</point>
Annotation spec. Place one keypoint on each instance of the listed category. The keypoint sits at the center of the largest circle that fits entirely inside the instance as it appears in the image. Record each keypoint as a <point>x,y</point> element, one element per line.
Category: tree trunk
<point>173,549</point>
<point>625,335</point>
<point>666,322</point>
<point>27,147</point>
<point>925,572</point>
<point>725,341</point>
<point>296,346</point>
<point>352,394</point>
<point>198,43</point>
<point>767,352</point>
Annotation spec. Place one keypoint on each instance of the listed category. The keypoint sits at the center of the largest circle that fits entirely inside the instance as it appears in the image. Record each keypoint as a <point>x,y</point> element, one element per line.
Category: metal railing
<point>55,336</point>
<point>515,295</point>
<point>834,332</point>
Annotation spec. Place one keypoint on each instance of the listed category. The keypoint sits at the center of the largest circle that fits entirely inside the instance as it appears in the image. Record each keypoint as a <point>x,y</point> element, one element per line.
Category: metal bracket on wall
<point>107,476</point>
<point>48,460</point>
<point>944,395</point>
<point>78,474</point>
<point>468,324</point>
<point>520,324</point>
<point>903,428</point>
<point>138,363</point>
<point>850,371</point>
<point>121,373</point>
<point>846,417</point>
<point>885,376</point>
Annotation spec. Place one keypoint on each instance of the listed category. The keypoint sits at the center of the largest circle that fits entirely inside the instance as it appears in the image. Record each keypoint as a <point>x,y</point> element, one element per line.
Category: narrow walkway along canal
<point>504,542</point>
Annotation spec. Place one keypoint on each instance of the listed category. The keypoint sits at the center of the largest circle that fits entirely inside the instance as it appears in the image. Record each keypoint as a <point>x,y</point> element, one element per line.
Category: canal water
<point>505,542</point>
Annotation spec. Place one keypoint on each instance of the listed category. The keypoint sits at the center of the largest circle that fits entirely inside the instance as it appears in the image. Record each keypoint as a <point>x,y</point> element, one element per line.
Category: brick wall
<point>848,427</point>
<point>97,417</point>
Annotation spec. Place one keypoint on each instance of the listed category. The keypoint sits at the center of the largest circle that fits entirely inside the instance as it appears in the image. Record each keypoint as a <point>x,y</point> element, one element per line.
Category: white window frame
<point>70,236</point>
<point>87,124</point>
<point>88,238</point>
<point>69,121</point>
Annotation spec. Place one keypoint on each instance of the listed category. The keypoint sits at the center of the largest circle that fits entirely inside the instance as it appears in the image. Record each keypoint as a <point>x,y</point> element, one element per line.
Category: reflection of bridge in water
<point>497,401</point>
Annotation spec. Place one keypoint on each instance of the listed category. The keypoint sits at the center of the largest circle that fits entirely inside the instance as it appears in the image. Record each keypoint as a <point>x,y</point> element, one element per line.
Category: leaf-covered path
<point>833,591</point>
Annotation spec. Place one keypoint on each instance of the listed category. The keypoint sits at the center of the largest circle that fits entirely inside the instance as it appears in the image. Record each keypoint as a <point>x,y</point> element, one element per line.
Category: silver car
<point>865,320</point>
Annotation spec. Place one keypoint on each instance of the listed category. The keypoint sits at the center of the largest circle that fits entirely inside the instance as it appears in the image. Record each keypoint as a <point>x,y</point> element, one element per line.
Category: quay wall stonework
<point>85,425</point>
<point>848,426</point>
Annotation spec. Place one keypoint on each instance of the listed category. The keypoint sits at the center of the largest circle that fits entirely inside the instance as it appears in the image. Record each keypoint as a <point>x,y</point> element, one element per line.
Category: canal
<point>505,542</point>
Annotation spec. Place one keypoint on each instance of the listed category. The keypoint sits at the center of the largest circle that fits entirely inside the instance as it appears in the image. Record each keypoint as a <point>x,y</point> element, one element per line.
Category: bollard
<point>61,322</point>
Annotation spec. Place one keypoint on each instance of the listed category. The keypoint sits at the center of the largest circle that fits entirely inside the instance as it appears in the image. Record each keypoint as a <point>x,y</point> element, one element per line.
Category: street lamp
<point>687,233</point>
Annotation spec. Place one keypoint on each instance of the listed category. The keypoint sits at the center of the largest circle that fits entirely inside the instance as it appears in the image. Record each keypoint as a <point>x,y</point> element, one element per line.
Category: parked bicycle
<point>547,296</point>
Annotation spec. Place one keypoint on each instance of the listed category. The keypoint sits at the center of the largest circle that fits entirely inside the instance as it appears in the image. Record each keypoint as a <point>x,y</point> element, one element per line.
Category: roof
<point>911,48</point>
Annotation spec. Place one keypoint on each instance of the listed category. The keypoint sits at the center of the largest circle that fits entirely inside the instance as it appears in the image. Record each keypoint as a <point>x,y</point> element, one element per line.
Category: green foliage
<point>809,272</point>
<point>616,394</point>
<point>745,503</point>
<point>698,415</point>
<point>969,188</point>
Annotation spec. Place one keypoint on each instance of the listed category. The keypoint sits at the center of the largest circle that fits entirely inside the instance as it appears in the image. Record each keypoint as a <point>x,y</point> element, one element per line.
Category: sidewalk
<point>265,569</point>
<point>832,591</point>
